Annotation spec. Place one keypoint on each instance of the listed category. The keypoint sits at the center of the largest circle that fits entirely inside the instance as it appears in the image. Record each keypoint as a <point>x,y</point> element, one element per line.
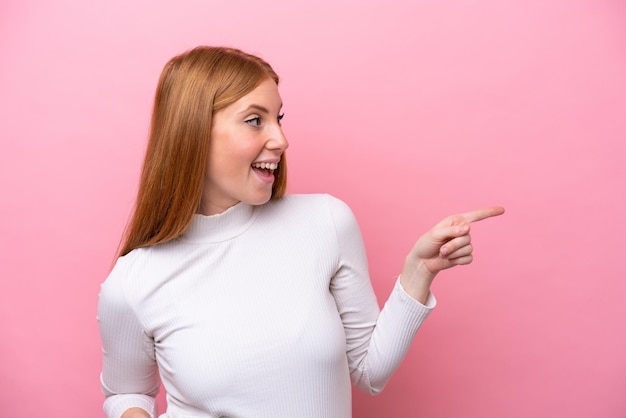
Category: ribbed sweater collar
<point>221,227</point>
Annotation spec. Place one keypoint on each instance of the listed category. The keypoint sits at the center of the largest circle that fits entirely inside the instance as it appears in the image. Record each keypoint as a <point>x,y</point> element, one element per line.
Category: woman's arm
<point>129,371</point>
<point>377,342</point>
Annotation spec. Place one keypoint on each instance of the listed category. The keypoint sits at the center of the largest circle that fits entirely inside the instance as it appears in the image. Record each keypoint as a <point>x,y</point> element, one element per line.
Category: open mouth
<point>265,170</point>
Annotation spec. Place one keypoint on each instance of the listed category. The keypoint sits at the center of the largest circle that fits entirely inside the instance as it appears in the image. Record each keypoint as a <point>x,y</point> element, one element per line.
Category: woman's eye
<point>256,121</point>
<point>280,117</point>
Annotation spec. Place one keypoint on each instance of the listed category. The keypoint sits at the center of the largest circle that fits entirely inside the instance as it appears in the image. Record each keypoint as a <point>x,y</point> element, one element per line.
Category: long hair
<point>192,87</point>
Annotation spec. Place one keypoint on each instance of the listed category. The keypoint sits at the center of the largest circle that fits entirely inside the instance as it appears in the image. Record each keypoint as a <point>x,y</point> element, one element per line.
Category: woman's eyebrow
<point>259,108</point>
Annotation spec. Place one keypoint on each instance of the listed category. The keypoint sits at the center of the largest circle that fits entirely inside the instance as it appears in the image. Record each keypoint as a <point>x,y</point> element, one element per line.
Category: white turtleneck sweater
<point>261,311</point>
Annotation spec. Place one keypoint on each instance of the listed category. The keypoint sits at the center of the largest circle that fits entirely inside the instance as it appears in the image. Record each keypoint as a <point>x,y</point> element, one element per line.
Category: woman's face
<point>245,148</point>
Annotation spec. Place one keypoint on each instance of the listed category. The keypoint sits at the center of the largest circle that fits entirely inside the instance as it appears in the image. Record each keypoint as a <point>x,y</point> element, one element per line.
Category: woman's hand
<point>447,245</point>
<point>135,413</point>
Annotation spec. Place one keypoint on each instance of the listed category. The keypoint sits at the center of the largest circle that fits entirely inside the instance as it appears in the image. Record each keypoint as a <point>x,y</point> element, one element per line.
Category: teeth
<point>268,166</point>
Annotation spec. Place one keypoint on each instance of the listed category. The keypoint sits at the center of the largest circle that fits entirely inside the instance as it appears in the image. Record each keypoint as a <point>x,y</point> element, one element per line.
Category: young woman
<point>247,302</point>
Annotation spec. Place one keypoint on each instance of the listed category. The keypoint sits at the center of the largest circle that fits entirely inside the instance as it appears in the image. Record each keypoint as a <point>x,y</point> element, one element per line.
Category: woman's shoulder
<point>126,268</point>
<point>312,201</point>
<point>312,206</point>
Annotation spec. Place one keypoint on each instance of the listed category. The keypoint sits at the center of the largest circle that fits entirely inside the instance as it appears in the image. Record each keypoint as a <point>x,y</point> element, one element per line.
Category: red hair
<point>192,87</point>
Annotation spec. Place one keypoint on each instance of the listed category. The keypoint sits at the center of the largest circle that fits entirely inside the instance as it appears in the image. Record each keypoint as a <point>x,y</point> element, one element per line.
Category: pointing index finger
<point>480,214</point>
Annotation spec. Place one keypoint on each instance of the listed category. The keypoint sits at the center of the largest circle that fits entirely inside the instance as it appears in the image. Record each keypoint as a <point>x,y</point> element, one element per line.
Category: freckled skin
<point>245,132</point>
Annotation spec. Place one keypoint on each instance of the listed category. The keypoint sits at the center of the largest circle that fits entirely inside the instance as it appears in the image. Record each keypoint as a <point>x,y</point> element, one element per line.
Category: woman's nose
<point>278,140</point>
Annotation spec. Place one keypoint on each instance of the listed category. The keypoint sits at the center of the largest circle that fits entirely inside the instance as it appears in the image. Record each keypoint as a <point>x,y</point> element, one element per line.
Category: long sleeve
<point>377,342</point>
<point>129,372</point>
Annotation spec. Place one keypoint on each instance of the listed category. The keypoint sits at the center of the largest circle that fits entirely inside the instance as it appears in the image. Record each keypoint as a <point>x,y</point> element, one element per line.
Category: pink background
<point>409,111</point>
